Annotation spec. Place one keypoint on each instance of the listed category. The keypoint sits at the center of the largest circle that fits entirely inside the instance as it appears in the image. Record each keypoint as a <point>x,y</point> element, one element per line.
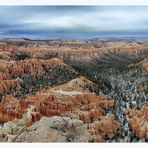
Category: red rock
<point>139,121</point>
<point>85,117</point>
<point>9,86</point>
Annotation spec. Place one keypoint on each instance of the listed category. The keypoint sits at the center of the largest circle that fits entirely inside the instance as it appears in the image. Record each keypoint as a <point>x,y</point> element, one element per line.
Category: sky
<point>73,22</point>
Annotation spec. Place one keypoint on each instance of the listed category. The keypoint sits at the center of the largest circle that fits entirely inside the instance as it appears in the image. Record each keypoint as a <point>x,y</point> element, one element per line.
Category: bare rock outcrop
<point>139,121</point>
<point>53,129</point>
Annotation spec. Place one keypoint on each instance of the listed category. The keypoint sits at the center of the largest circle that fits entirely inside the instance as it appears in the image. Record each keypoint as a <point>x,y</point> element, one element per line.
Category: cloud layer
<point>50,22</point>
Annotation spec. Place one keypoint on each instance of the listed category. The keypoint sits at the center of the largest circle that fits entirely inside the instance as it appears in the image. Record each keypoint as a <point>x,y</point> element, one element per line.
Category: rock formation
<point>76,91</point>
<point>139,121</point>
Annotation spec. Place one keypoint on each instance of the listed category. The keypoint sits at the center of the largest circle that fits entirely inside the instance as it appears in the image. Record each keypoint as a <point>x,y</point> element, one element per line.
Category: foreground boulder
<point>53,129</point>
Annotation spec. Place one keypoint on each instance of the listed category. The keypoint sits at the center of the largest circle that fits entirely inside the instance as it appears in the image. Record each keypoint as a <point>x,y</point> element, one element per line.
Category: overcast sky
<point>50,22</point>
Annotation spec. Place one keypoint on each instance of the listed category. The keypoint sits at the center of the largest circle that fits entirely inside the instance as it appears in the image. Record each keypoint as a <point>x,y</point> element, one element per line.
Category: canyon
<point>73,91</point>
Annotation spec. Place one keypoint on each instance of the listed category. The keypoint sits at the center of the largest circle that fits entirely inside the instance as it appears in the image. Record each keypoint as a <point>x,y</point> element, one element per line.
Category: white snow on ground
<point>70,93</point>
<point>64,92</point>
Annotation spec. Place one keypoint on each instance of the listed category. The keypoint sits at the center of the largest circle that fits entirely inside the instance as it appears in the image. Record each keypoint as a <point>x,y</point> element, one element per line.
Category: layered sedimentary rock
<point>9,86</point>
<point>30,75</point>
<point>84,106</point>
<point>140,68</point>
<point>139,121</point>
<point>80,84</point>
<point>32,66</point>
<point>57,87</point>
<point>9,109</point>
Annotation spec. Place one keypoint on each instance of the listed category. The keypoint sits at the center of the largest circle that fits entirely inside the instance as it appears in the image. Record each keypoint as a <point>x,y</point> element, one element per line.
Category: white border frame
<point>74,2</point>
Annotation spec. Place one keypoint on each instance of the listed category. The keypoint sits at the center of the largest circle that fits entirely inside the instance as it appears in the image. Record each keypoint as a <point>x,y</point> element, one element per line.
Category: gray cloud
<point>72,21</point>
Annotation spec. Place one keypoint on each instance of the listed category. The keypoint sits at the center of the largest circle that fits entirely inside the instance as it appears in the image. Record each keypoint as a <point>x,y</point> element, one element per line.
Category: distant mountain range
<point>102,39</point>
